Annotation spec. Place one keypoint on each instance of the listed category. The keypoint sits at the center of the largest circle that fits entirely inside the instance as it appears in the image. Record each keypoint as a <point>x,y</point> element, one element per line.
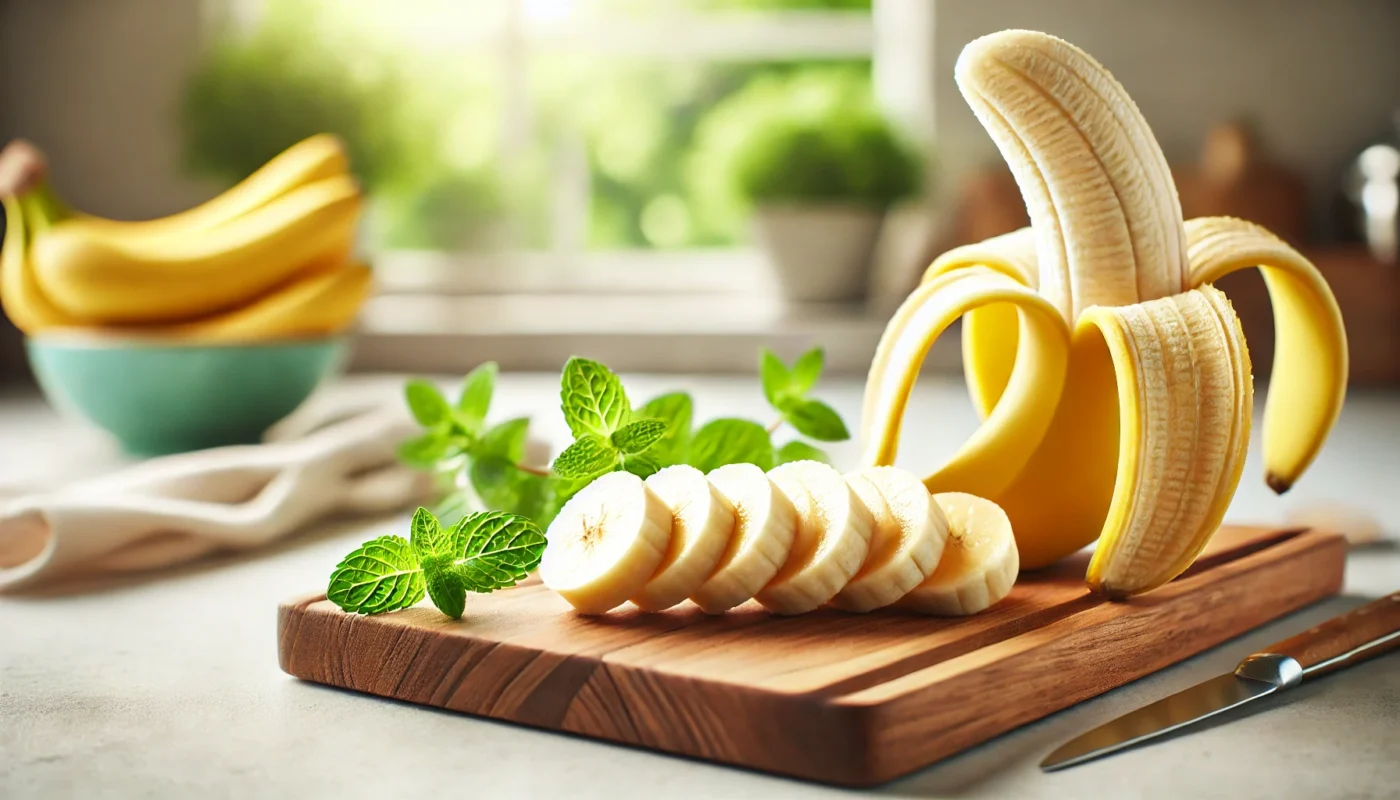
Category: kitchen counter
<point>168,685</point>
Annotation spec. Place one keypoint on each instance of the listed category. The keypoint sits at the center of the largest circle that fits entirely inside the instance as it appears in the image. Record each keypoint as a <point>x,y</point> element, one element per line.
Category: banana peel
<point>1136,437</point>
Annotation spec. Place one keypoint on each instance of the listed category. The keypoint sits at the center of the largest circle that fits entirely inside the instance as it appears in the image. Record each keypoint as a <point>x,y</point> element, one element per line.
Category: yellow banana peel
<point>1124,415</point>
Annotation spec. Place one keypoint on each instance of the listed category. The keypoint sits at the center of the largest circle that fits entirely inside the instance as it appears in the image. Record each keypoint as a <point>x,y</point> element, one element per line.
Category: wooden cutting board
<point>833,697</point>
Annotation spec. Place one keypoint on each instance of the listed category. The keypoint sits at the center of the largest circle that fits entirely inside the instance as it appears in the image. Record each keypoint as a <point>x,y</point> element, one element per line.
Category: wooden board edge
<point>827,739</point>
<point>918,709</point>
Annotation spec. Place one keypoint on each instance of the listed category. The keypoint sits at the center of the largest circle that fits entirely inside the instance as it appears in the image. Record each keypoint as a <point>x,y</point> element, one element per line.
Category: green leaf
<point>800,451</point>
<point>496,550</point>
<point>592,398</point>
<point>426,450</point>
<point>675,409</point>
<point>380,575</point>
<point>815,419</point>
<point>446,586</point>
<point>494,479</point>
<point>775,376</point>
<point>426,403</point>
<point>453,507</point>
<point>589,456</point>
<point>806,370</point>
<point>731,441</point>
<point>506,440</point>
<point>475,401</point>
<point>637,436</point>
<point>427,536</point>
<point>643,465</point>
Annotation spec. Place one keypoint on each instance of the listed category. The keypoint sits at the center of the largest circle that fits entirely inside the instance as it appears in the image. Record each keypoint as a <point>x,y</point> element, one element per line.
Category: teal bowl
<point>159,398</point>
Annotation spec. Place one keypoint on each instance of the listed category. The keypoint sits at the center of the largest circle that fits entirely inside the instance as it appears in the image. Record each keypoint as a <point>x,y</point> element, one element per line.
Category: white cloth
<point>176,508</point>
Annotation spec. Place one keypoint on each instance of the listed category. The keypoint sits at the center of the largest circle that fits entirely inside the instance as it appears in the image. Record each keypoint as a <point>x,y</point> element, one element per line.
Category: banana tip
<point>1278,483</point>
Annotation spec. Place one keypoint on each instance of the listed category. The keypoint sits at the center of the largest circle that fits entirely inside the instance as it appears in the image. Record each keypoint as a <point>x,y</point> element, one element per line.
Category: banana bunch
<point>268,259</point>
<point>1113,379</point>
<point>796,538</point>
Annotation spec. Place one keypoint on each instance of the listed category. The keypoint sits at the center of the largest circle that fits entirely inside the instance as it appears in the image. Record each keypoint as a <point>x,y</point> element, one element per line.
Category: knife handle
<point>1353,637</point>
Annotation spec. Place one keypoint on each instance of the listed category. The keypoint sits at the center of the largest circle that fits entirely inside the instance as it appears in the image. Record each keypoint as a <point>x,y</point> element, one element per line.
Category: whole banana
<point>1113,380</point>
<point>266,259</point>
<point>122,280</point>
<point>313,159</point>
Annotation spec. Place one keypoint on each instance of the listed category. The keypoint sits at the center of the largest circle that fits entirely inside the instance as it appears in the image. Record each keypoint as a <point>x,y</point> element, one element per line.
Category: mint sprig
<point>483,552</point>
<point>483,464</point>
<point>787,391</point>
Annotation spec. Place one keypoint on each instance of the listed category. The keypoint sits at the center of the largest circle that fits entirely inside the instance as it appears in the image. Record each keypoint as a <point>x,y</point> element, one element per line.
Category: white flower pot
<point>819,253</point>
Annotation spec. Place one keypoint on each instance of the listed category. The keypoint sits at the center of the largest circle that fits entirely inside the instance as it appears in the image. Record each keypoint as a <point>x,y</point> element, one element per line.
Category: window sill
<point>664,333</point>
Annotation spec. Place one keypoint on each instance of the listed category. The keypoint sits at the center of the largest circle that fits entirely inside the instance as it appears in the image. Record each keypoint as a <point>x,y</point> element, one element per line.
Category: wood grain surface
<point>1355,636</point>
<point>834,697</point>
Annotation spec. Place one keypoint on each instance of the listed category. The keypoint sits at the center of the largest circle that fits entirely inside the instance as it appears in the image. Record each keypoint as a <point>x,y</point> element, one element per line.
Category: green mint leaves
<point>731,441</point>
<point>380,575</point>
<point>588,457</point>
<point>592,399</point>
<point>475,541</point>
<point>787,389</point>
<point>483,552</point>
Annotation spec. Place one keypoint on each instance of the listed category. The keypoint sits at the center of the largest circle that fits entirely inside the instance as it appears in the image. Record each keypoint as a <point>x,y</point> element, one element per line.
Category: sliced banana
<point>906,539</point>
<point>831,542</point>
<point>979,561</point>
<point>765,525</point>
<point>606,543</point>
<point>702,522</point>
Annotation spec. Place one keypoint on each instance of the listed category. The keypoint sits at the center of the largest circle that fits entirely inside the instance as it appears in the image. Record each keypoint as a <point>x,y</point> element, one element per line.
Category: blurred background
<point>665,185</point>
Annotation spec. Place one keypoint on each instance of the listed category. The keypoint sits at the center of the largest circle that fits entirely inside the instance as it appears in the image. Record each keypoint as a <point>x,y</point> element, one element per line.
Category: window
<point>536,150</point>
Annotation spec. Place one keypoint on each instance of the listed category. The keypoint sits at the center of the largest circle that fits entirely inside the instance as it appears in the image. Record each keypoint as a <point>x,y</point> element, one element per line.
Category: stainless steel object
<point>1340,642</point>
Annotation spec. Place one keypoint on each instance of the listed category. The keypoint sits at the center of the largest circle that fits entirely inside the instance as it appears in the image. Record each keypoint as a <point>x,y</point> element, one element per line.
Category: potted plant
<point>820,187</point>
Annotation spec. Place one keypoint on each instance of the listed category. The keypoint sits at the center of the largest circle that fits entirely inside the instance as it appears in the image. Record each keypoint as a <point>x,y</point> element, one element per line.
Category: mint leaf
<point>800,451</point>
<point>806,370</point>
<point>592,398</point>
<point>497,482</point>
<point>427,536</point>
<point>589,456</point>
<point>815,419</point>
<point>506,440</point>
<point>643,465</point>
<point>426,450</point>
<point>380,575</point>
<point>426,403</point>
<point>475,401</point>
<point>638,436</point>
<point>774,375</point>
<point>496,550</point>
<point>674,409</point>
<point>453,507</point>
<point>731,441</point>
<point>446,587</point>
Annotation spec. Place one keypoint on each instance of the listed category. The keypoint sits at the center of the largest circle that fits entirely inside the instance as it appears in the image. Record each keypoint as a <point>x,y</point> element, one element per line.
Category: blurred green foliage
<point>843,157</point>
<point>674,151</point>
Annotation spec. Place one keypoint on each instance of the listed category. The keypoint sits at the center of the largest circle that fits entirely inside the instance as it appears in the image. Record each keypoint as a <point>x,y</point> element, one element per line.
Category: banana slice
<point>764,527</point>
<point>606,543</point>
<point>702,522</point>
<point>832,538</point>
<point>979,561</point>
<point>906,542</point>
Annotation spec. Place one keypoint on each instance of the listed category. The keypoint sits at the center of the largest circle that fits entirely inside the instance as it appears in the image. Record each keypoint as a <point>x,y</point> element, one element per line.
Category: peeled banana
<point>795,539</point>
<point>1113,380</point>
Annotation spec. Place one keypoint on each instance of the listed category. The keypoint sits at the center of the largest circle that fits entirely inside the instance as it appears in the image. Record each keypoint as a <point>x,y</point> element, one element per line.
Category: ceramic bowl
<point>161,397</point>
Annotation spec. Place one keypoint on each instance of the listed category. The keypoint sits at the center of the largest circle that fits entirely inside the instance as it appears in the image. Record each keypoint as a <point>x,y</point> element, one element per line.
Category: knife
<point>1339,642</point>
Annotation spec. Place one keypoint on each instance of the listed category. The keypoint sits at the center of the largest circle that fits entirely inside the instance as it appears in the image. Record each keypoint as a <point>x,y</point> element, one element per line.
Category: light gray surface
<point>169,686</point>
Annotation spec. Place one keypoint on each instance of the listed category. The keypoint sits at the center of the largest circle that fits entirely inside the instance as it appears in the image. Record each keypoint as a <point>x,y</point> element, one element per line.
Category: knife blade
<point>1348,639</point>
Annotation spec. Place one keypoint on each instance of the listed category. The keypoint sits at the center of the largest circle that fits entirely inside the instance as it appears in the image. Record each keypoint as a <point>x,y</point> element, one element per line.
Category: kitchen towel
<point>173,509</point>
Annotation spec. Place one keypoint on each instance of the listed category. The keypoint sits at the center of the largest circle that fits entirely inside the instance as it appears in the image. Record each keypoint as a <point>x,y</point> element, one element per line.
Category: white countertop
<point>168,686</point>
